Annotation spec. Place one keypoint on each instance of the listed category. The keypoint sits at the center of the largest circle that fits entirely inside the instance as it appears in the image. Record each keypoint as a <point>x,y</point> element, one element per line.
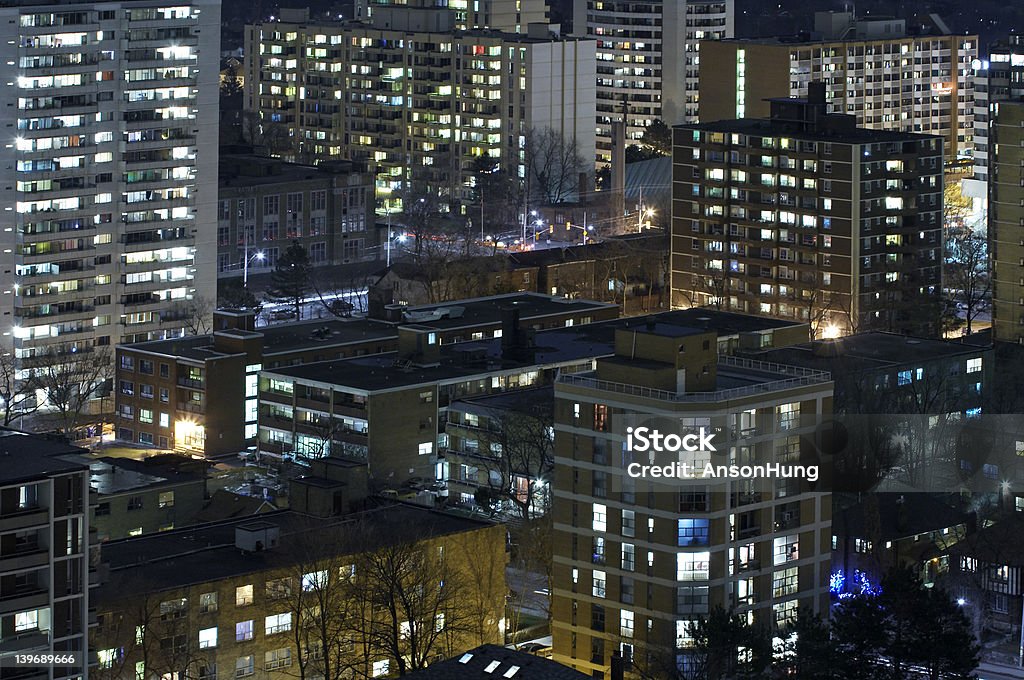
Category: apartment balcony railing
<point>799,377</point>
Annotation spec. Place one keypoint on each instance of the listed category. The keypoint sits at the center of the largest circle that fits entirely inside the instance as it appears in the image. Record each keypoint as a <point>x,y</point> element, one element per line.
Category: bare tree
<point>967,274</point>
<point>422,206</point>
<point>70,380</point>
<point>152,629</point>
<point>257,130</point>
<point>196,314</point>
<point>521,458</point>
<point>419,611</point>
<point>709,289</point>
<point>553,165</point>
<point>17,394</point>
<point>316,587</point>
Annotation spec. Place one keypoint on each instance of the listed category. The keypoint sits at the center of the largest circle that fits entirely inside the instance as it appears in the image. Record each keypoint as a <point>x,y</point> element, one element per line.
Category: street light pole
<point>245,262</point>
<point>387,211</point>
<point>640,212</point>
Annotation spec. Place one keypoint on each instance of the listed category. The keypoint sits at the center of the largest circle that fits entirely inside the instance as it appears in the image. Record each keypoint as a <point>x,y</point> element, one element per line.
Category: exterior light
<point>830,332</point>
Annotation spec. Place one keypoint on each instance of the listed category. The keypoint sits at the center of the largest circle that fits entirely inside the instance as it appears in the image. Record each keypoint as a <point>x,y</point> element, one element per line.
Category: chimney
<point>509,329</point>
<point>516,343</point>
<point>618,669</point>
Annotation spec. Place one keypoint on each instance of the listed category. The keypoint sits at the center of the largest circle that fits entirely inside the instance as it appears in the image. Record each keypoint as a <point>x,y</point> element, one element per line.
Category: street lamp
<point>387,211</point>
<point>258,256</point>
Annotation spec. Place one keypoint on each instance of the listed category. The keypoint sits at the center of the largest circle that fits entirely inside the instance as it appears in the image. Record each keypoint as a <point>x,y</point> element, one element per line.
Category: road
<point>988,671</point>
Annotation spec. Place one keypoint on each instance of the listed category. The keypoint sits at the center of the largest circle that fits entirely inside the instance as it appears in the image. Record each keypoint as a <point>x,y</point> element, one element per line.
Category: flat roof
<point>333,331</point>
<point>551,347</point>
<point>286,173</point>
<point>110,475</point>
<point>516,401</point>
<point>489,662</point>
<point>25,457</point>
<point>488,310</point>
<point>868,351</point>
<point>206,552</point>
<point>773,127</point>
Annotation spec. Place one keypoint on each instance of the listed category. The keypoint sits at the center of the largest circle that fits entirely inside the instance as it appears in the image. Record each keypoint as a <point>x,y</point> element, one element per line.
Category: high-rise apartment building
<point>999,76</point>
<point>44,555</point>
<point>110,169</point>
<point>872,69</point>
<point>648,60</point>
<point>638,560</point>
<point>1006,218</point>
<point>805,216</point>
<point>415,99</point>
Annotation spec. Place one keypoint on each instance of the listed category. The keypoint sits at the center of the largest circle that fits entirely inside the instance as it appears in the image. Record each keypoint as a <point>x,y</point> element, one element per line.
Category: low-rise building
<point>135,497</point>
<point>499,451</point>
<point>266,205</point>
<point>44,553</point>
<point>390,409</point>
<point>198,393</point>
<point>931,394</point>
<point>269,596</point>
<point>490,661</point>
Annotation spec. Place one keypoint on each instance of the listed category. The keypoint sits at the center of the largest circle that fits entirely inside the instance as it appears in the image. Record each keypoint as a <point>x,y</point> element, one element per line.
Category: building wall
<point>44,557</point>
<point>1006,217</point>
<point>147,510</point>
<point>999,77</point>
<point>172,619</point>
<point>852,220</point>
<point>561,95</point>
<point>111,222</point>
<point>335,222</point>
<point>743,77</point>
<point>648,56</point>
<point>881,82</point>
<point>743,566</point>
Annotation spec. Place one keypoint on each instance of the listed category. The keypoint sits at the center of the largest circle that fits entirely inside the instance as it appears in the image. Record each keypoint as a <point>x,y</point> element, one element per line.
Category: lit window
<point>207,638</point>
<point>692,566</point>
<point>278,623</point>
<point>381,668</point>
<point>600,517</point>
<point>243,595</point>
<point>243,631</point>
<point>600,583</point>
<point>626,623</point>
<point>974,365</point>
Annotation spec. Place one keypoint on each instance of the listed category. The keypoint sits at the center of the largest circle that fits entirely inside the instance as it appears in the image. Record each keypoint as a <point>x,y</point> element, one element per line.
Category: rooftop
<point>736,378</point>
<point>517,401</point>
<point>552,347</point>
<point>770,127</point>
<point>25,457</point>
<point>118,475</point>
<point>899,515</point>
<point>491,662</point>
<point>250,170</point>
<point>304,335</point>
<point>867,352</point>
<point>207,552</point>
